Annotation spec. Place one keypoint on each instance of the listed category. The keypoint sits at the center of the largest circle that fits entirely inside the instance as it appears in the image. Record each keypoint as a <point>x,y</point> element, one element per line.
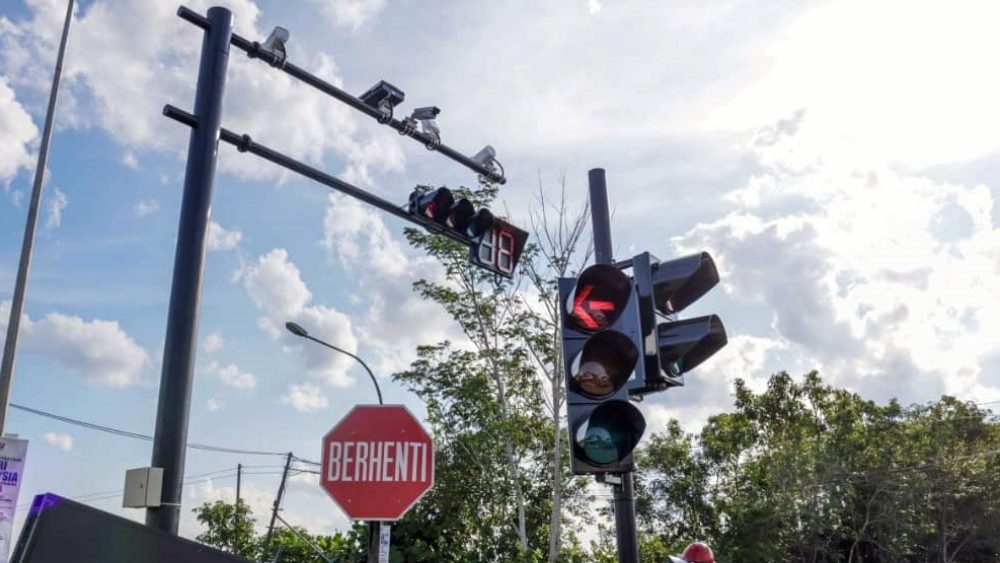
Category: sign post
<point>12,454</point>
<point>378,461</point>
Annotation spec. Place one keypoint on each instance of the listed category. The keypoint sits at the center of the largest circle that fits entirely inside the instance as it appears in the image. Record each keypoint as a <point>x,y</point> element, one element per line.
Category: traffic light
<point>602,343</point>
<point>677,346</point>
<point>494,243</point>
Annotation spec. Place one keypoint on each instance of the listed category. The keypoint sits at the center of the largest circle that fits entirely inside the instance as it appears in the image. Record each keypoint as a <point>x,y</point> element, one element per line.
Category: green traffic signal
<point>610,433</point>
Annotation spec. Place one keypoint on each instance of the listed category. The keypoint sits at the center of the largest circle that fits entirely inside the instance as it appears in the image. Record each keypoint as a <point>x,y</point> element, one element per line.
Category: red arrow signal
<point>592,314</point>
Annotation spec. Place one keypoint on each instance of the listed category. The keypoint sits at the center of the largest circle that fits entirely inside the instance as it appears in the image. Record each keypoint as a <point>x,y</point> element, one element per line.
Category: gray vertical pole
<point>17,302</point>
<point>374,532</point>
<point>182,319</point>
<point>628,546</point>
<point>277,502</point>
<point>236,511</point>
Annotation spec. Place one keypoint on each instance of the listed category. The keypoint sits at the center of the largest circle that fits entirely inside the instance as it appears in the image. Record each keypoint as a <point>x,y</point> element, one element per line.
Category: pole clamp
<point>245,142</point>
<point>409,126</point>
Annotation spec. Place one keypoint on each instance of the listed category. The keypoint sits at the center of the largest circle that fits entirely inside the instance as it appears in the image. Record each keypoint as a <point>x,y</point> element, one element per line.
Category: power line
<point>137,436</point>
<point>188,480</point>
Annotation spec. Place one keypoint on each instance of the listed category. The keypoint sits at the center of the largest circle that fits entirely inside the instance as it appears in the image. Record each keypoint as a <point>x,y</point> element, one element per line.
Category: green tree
<point>227,527</point>
<point>830,476</point>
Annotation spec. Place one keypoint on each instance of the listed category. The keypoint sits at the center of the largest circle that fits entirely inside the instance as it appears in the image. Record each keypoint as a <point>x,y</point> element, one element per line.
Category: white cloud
<point>18,132</point>
<point>57,203</point>
<point>231,375</point>
<point>356,235</point>
<point>213,342</point>
<point>59,440</point>
<point>220,239</point>
<point>110,71</point>
<point>214,405</point>
<point>352,14</point>
<point>878,276</point>
<point>934,105</point>
<point>275,285</point>
<point>305,397</point>
<point>594,6</point>
<point>129,160</point>
<point>100,351</point>
<point>146,207</point>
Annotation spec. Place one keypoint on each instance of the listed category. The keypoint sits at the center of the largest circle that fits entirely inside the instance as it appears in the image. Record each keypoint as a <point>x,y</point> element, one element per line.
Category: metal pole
<point>236,511</point>
<point>277,502</point>
<point>17,302</point>
<point>185,293</point>
<point>600,216</point>
<point>628,547</point>
<point>373,539</point>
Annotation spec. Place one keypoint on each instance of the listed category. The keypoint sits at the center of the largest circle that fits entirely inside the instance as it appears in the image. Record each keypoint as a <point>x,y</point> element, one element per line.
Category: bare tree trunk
<point>556,517</point>
<point>515,473</point>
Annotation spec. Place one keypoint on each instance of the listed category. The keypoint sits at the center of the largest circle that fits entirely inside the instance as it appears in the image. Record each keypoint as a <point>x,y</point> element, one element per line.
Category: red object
<point>377,462</point>
<point>698,553</point>
<point>590,312</point>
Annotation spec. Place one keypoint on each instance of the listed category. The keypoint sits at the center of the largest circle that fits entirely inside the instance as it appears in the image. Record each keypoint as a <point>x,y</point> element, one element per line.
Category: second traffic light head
<point>683,345</point>
<point>679,283</point>
<point>459,215</point>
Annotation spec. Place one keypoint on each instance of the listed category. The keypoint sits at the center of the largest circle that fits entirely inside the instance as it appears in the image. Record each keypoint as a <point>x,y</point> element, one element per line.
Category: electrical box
<point>143,487</point>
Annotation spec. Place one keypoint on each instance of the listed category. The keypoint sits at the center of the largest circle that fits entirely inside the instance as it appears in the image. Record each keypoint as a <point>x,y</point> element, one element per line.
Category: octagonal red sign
<point>377,462</point>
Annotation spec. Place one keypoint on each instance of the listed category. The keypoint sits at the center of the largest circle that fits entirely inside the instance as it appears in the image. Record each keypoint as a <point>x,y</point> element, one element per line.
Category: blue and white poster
<point>12,454</point>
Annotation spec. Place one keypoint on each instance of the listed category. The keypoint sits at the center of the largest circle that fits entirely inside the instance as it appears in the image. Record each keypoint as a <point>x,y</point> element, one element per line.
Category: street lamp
<point>297,330</point>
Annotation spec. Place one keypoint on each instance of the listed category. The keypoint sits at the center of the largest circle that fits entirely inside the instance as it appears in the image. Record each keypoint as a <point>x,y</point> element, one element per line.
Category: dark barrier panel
<point>59,530</point>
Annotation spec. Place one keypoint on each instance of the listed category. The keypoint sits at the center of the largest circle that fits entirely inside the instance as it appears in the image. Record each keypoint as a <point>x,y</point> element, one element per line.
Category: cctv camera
<point>275,44</point>
<point>429,112</point>
<point>485,156</point>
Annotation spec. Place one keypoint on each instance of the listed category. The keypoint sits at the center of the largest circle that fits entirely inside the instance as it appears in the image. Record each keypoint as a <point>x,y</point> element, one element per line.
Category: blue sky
<point>837,158</point>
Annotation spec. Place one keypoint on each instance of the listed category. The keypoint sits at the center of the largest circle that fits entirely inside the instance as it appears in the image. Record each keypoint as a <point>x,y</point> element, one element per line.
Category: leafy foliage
<point>226,524</point>
<point>829,476</point>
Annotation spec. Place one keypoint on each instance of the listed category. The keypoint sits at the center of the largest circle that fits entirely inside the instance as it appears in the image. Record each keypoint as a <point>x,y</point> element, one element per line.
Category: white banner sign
<point>384,530</point>
<point>12,453</point>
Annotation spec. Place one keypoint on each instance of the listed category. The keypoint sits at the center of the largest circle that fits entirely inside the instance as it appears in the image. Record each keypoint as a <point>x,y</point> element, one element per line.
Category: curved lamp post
<point>297,330</point>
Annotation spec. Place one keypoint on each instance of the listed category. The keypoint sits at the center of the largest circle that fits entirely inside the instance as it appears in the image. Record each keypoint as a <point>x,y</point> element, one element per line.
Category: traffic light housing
<point>602,345</point>
<point>494,243</point>
<point>677,346</point>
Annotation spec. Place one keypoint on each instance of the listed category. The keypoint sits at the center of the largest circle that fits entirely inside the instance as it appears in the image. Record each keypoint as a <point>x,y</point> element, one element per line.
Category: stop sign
<point>377,462</point>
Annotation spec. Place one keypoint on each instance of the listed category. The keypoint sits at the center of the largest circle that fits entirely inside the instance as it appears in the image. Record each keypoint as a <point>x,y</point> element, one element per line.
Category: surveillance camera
<point>429,112</point>
<point>278,38</point>
<point>485,156</point>
<point>429,127</point>
<point>275,44</point>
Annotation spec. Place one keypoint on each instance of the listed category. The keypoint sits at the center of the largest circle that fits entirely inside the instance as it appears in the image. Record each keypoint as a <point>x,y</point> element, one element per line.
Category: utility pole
<point>236,528</point>
<point>277,502</point>
<point>628,548</point>
<point>17,302</point>
<point>185,293</point>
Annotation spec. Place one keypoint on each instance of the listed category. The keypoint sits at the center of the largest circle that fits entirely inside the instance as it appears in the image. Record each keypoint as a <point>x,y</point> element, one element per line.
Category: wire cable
<point>137,436</point>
